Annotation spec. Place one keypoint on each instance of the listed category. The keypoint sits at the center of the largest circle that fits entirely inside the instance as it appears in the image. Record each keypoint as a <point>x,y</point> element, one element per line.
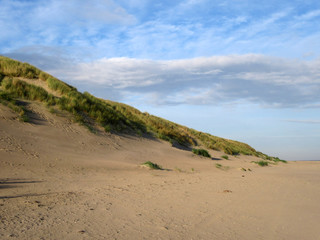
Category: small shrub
<point>218,165</point>
<point>152,165</point>
<point>262,163</point>
<point>201,152</point>
<point>225,157</point>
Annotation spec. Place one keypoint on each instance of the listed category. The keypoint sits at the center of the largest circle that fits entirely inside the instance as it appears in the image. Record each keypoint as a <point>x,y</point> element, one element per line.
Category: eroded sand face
<point>59,181</point>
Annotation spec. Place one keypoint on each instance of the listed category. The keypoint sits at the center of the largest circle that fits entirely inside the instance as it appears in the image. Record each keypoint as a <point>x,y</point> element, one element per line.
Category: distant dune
<point>71,167</point>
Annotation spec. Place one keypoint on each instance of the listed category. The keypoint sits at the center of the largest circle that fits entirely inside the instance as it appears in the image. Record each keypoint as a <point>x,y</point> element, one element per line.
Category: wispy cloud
<point>309,15</point>
<point>165,30</point>
<point>57,22</point>
<point>309,121</point>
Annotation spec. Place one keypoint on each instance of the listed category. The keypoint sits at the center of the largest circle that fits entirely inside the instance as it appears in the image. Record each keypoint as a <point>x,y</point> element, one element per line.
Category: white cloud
<point>270,81</point>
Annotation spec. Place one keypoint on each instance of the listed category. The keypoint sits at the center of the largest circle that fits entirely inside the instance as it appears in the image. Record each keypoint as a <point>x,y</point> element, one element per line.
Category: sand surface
<point>59,181</point>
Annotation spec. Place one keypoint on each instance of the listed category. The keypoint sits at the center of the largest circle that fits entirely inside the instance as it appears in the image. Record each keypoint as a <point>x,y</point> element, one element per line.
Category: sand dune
<point>59,181</point>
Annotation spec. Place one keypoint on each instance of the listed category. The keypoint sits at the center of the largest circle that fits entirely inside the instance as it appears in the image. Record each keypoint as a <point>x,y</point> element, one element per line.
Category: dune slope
<point>24,82</point>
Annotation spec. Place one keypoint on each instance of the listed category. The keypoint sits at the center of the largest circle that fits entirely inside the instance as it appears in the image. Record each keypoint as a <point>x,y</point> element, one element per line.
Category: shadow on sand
<point>15,183</point>
<point>216,159</point>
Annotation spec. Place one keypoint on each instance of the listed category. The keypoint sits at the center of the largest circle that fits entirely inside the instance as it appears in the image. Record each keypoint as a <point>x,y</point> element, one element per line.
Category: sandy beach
<point>60,181</point>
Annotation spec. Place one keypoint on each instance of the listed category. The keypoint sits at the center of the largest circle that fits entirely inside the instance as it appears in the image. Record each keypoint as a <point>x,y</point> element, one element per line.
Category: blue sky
<point>244,70</point>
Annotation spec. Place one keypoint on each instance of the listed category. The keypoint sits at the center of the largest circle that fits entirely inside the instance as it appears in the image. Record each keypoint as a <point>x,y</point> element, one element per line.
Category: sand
<point>60,181</point>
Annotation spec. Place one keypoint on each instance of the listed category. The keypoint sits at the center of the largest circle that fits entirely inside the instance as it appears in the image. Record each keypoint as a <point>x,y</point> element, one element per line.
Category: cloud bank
<point>251,78</point>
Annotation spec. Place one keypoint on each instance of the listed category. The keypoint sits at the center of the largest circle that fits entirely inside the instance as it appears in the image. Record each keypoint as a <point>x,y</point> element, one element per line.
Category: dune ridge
<point>25,82</point>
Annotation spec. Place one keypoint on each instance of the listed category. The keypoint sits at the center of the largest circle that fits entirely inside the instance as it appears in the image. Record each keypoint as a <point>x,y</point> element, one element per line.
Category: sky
<point>243,69</point>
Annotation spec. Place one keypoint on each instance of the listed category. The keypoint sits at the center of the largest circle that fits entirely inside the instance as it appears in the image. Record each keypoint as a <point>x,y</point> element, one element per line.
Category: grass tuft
<point>152,165</point>
<point>225,157</point>
<point>201,152</point>
<point>262,163</point>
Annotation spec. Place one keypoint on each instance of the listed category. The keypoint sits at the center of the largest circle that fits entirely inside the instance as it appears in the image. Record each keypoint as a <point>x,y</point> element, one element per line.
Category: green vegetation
<point>225,157</point>
<point>111,116</point>
<point>262,163</point>
<point>59,86</point>
<point>173,132</point>
<point>276,159</point>
<point>159,127</point>
<point>12,68</point>
<point>20,89</point>
<point>219,166</point>
<point>152,165</point>
<point>201,152</point>
<point>84,107</point>
<point>227,146</point>
<point>268,158</point>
